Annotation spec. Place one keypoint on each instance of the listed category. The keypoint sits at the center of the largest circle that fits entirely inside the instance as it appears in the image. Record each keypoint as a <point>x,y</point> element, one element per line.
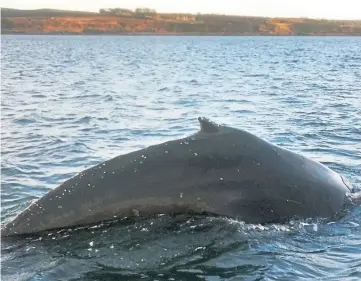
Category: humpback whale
<point>218,170</point>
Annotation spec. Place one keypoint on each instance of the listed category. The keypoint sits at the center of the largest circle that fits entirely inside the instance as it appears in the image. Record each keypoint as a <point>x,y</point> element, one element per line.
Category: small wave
<point>356,130</point>
<point>244,111</point>
<point>90,96</point>
<point>86,129</point>
<point>108,98</point>
<point>342,152</point>
<point>312,136</point>
<point>83,120</point>
<point>243,101</point>
<point>13,171</point>
<point>256,75</point>
<point>340,139</point>
<point>102,118</point>
<point>25,121</point>
<point>38,96</point>
<point>59,119</point>
<point>193,82</point>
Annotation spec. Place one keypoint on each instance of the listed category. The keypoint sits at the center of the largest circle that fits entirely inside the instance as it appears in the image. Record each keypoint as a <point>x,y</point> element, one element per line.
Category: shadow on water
<point>166,247</point>
<point>160,248</point>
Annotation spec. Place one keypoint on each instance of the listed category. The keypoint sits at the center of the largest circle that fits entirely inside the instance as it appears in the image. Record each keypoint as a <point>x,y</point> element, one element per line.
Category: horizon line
<point>237,15</point>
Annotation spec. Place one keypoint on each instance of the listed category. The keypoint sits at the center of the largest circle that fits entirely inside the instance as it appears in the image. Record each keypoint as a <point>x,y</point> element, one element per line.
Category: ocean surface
<point>70,102</point>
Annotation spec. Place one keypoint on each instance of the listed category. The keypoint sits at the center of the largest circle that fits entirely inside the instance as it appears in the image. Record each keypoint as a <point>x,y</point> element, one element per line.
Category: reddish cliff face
<point>75,25</point>
<point>173,24</point>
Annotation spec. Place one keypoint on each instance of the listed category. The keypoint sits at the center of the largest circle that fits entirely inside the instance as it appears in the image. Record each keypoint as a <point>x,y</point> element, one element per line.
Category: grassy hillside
<point>6,12</point>
<point>47,21</point>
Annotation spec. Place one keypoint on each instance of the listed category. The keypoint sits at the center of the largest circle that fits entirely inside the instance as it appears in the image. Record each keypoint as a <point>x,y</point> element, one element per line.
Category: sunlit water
<point>68,103</point>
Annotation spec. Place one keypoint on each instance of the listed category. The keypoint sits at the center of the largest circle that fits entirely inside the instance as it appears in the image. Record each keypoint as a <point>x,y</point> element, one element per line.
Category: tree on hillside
<point>116,11</point>
<point>145,12</point>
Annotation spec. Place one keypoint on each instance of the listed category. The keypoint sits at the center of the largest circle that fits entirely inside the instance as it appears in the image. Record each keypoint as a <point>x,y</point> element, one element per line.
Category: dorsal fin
<point>208,126</point>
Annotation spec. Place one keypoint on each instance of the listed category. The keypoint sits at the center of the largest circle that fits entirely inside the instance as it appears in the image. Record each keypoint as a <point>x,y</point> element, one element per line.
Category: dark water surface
<point>70,102</point>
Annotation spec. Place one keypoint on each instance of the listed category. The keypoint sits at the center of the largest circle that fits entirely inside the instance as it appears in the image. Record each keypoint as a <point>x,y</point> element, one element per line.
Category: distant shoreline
<point>122,22</point>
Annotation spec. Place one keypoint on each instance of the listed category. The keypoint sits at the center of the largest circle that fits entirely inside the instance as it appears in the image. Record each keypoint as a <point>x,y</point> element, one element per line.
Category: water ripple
<point>71,102</point>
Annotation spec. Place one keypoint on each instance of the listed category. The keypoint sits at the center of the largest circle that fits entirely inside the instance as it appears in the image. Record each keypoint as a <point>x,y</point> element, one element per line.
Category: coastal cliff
<point>47,21</point>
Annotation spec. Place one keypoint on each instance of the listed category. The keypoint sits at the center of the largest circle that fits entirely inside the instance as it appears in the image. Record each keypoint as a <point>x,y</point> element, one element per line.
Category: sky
<point>327,9</point>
